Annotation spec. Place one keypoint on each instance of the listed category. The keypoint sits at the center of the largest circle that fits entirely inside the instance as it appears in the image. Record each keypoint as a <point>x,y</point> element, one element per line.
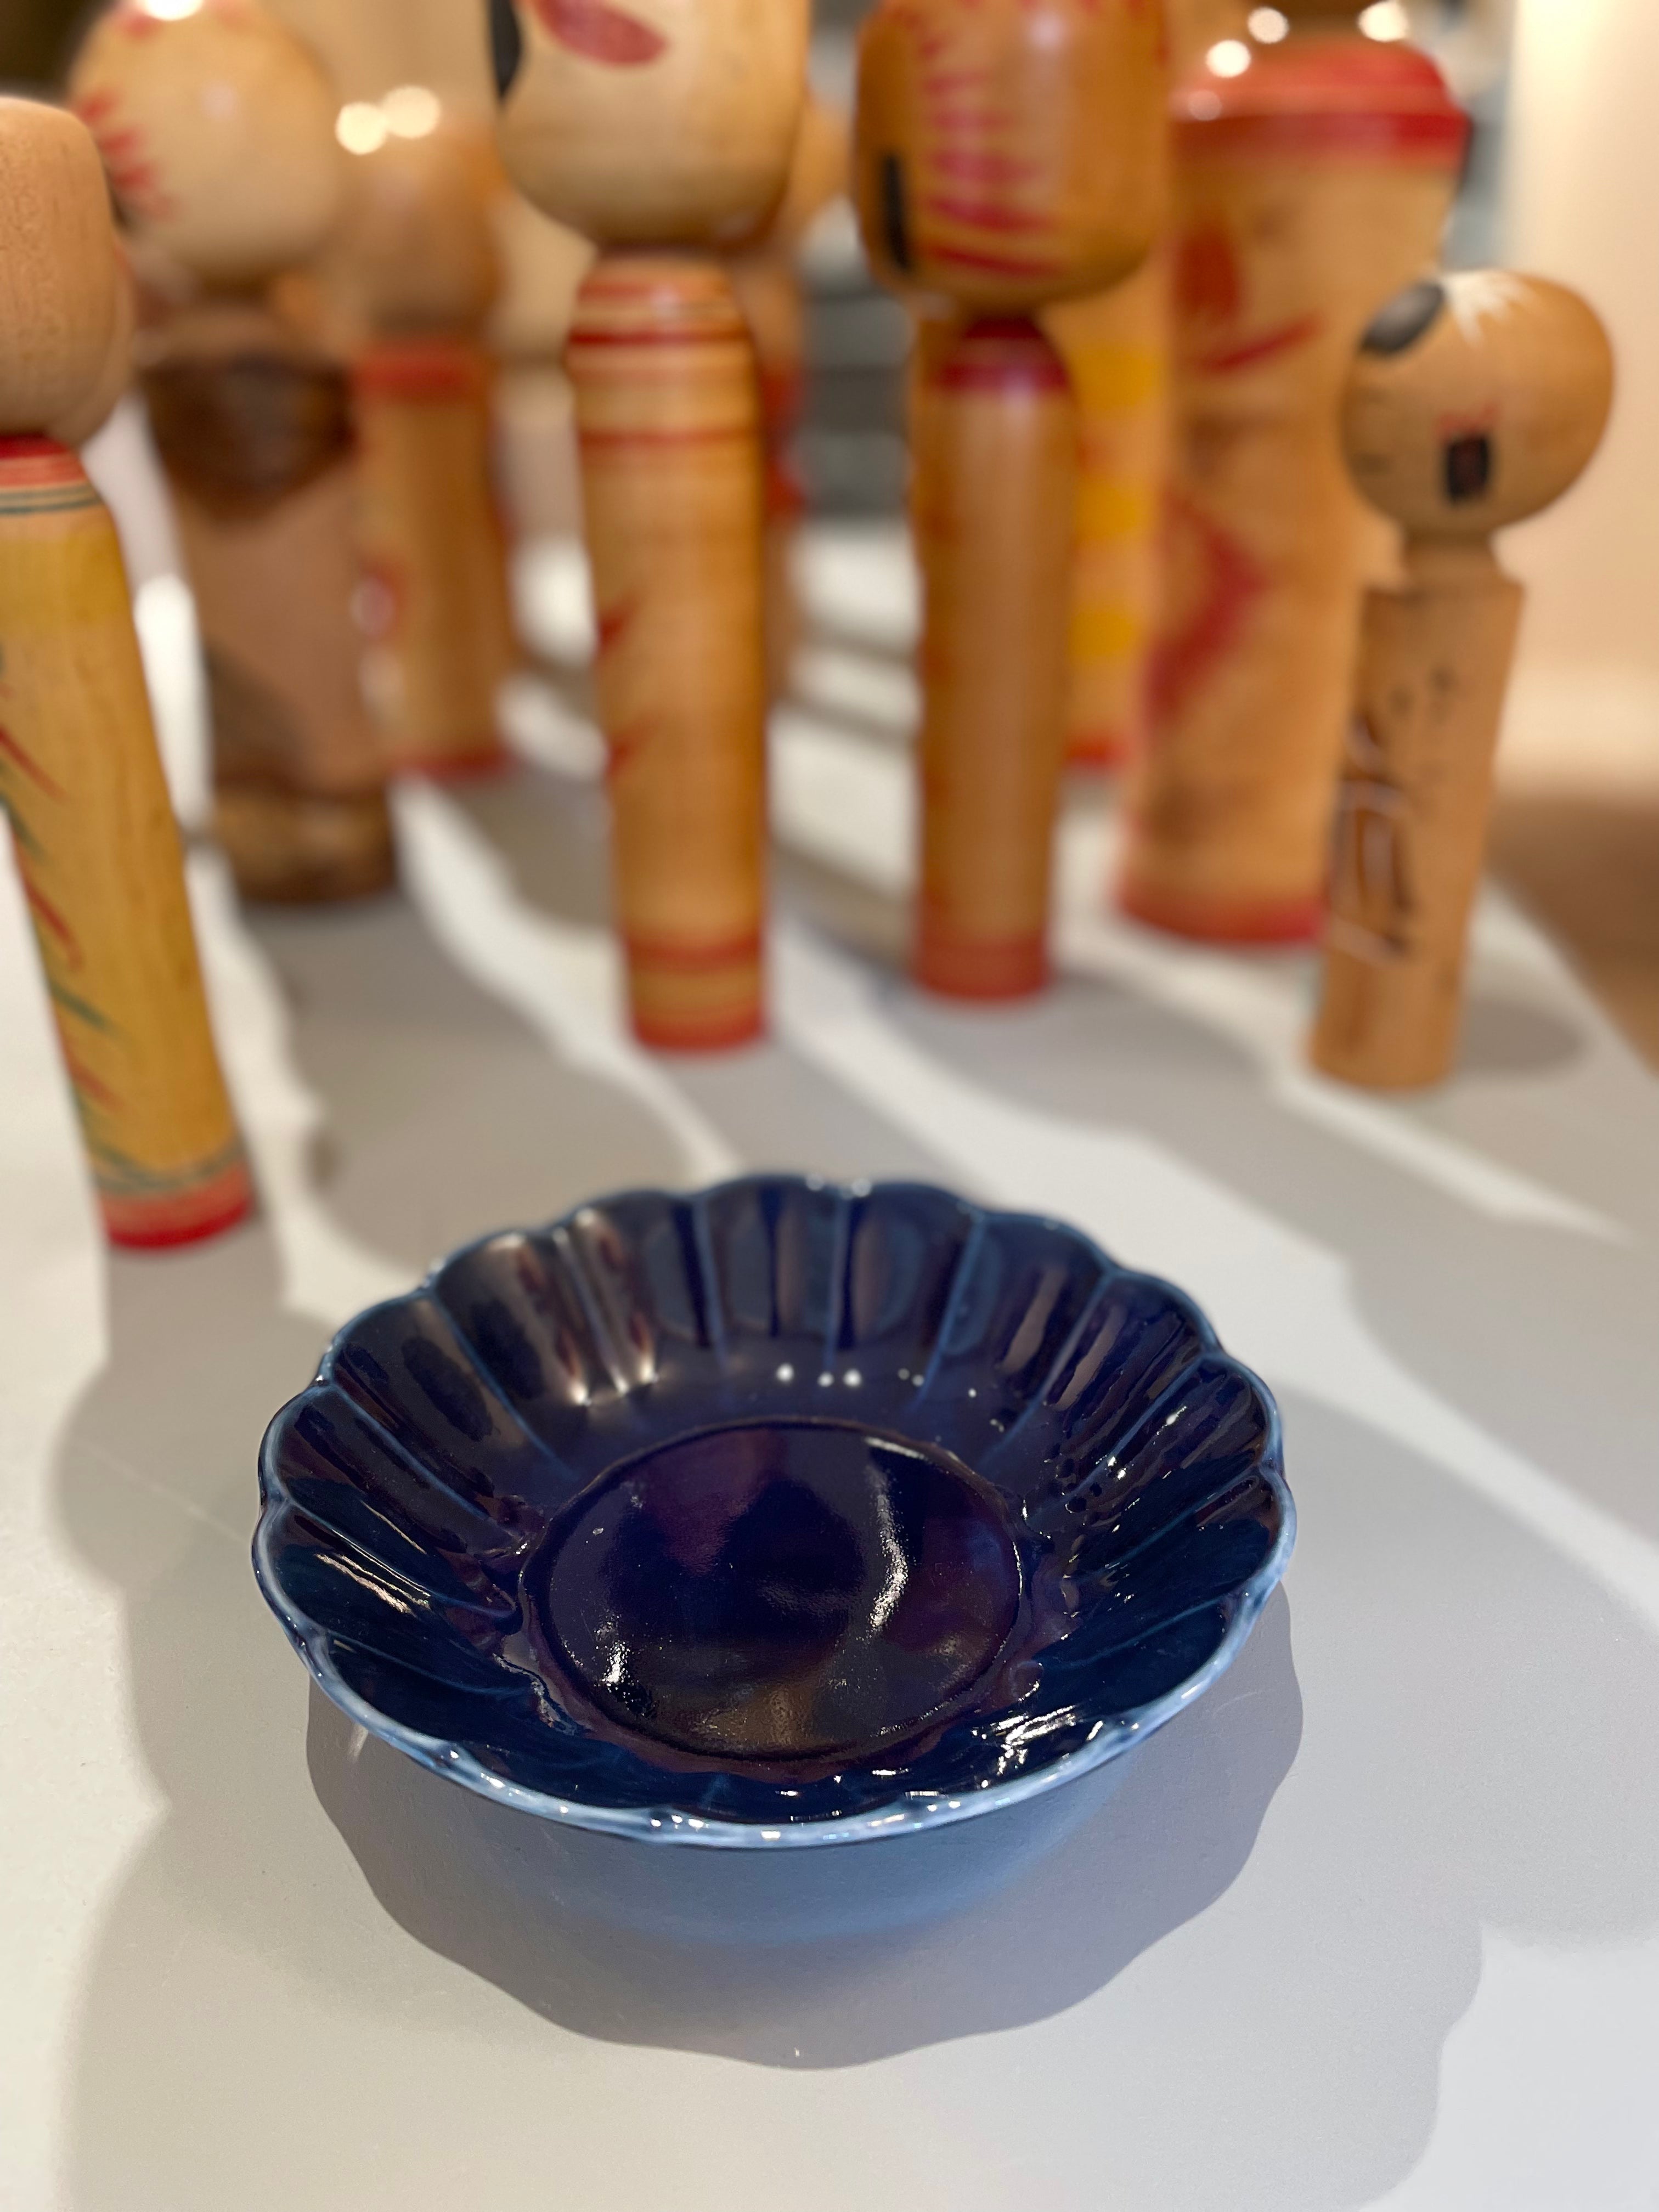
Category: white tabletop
<point>1377,1925</point>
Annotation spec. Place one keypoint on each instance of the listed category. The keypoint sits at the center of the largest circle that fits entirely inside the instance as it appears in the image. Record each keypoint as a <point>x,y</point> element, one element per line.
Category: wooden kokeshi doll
<point>1312,179</point>
<point>416,258</point>
<point>770,293</point>
<point>1476,401</point>
<point>80,778</point>
<point>217,130</point>
<point>664,133</point>
<point>1008,155</point>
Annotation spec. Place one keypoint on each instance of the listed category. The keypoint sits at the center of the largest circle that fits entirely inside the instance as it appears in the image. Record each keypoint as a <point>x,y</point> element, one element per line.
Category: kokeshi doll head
<point>60,298</point>
<point>218,129</point>
<point>1477,400</point>
<point>1010,152</point>
<point>416,245</point>
<point>659,123</point>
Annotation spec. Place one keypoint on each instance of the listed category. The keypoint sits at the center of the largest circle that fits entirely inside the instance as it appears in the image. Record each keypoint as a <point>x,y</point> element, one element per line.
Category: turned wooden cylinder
<point>992,505</point>
<point>1008,157</point>
<point>81,779</point>
<point>665,133</point>
<point>1311,184</point>
<point>668,413</point>
<point>1476,401</point>
<point>418,261</point>
<point>217,128</point>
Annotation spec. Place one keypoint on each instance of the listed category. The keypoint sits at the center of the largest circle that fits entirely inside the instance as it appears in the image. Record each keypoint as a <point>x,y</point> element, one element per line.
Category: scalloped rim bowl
<point>409,1494</point>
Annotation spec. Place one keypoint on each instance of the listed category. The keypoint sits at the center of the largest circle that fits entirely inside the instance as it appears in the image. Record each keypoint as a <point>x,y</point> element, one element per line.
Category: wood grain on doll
<point>994,493</point>
<point>80,780</point>
<point>1475,402</point>
<point>218,127</point>
<point>1308,187</point>
<point>668,412</point>
<point>415,259</point>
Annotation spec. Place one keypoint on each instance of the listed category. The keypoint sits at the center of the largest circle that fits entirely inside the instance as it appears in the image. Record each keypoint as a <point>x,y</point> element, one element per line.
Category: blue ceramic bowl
<point>781,1515</point>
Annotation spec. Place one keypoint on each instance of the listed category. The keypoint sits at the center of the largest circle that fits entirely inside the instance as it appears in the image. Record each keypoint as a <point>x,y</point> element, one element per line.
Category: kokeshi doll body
<point>418,252</point>
<point>218,129</point>
<point>1475,402</point>
<point>1312,178</point>
<point>663,134</point>
<point>1008,157</point>
<point>1116,350</point>
<point>81,777</point>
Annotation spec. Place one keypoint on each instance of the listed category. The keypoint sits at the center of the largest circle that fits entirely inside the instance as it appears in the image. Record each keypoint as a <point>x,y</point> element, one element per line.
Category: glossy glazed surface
<point>781,1593</point>
<point>999,1509</point>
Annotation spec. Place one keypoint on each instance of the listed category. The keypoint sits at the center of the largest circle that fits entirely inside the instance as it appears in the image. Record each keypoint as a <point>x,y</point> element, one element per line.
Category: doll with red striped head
<point>1010,155</point>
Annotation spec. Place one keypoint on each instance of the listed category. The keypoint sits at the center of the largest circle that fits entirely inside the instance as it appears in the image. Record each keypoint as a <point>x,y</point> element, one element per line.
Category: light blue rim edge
<point>664,1827</point>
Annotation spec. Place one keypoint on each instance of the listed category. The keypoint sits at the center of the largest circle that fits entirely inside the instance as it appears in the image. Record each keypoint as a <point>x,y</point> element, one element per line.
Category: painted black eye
<point>895,214</point>
<point>1468,468</point>
<point>506,44</point>
<point>1409,316</point>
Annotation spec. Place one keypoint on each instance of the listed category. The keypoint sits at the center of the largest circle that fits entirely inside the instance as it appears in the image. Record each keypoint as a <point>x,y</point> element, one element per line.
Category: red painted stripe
<point>1436,139</point>
<point>1224,921</point>
<point>89,1086</point>
<point>582,340</point>
<point>958,967</point>
<point>986,215</point>
<point>42,907</point>
<point>600,33</point>
<point>996,265</point>
<point>724,1033</point>
<point>188,1217</point>
<point>1228,361</point>
<point>11,751</point>
<point>983,168</point>
<point>681,959</point>
<point>436,370</point>
<point>605,442</point>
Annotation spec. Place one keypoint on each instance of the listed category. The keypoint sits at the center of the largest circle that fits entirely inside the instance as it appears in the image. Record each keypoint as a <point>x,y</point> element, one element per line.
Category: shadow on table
<point>257,2028</point>
<point>704,1950</point>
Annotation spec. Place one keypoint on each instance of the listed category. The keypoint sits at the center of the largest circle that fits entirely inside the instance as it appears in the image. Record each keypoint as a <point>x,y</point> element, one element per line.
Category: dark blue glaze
<point>772,1513</point>
<point>785,1594</point>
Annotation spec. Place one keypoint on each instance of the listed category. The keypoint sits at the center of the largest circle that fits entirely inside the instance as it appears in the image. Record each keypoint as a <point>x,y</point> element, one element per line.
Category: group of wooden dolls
<point>1157,268</point>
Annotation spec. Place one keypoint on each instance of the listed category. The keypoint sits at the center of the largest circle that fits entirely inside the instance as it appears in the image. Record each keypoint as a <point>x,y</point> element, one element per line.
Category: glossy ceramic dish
<point>781,1515</point>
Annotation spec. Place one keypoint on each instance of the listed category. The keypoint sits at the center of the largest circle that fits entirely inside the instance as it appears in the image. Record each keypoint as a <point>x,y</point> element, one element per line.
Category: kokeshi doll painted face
<point>416,260</point>
<point>1475,402</point>
<point>651,122</point>
<point>81,777</point>
<point>1010,153</point>
<point>217,128</point>
<point>1313,177</point>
